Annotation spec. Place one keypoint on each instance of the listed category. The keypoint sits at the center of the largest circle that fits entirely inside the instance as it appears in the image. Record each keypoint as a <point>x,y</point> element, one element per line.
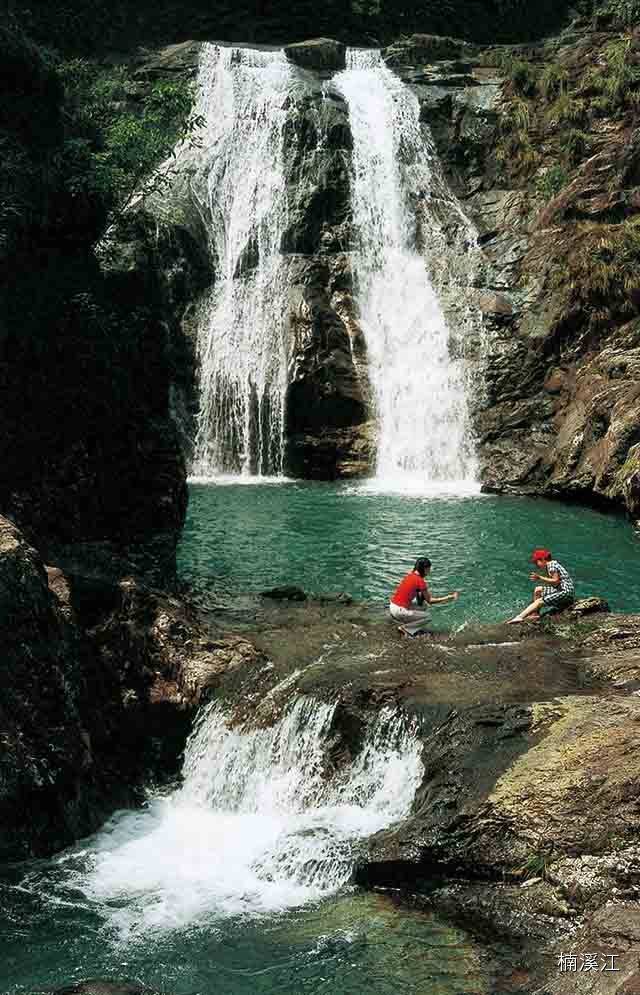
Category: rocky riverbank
<point>525,826</point>
<point>104,674</point>
<point>524,829</point>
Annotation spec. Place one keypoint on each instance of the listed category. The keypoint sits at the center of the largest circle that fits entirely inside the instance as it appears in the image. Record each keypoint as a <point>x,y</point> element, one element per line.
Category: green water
<point>352,944</point>
<point>55,926</point>
<point>241,539</point>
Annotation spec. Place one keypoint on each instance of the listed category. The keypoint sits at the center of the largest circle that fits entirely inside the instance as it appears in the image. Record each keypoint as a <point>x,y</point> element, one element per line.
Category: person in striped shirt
<point>556,591</point>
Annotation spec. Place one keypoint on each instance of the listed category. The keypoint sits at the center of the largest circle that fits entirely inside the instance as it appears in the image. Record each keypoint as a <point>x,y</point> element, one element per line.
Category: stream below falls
<point>237,879</point>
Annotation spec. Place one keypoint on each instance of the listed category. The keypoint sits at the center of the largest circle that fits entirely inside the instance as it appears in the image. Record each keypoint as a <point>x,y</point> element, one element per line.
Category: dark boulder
<point>96,986</point>
<point>286,593</point>
<point>321,54</point>
<point>421,49</point>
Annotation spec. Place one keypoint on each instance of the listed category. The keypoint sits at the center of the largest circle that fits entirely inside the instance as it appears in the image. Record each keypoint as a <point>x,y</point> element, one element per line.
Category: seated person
<point>556,592</point>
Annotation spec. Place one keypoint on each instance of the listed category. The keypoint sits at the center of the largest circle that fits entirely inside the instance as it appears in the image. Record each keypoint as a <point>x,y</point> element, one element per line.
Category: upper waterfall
<point>241,191</point>
<point>419,388</point>
<point>246,182</point>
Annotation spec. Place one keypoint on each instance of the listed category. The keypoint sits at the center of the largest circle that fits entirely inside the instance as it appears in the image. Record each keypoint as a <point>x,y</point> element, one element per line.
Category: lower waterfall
<point>259,824</point>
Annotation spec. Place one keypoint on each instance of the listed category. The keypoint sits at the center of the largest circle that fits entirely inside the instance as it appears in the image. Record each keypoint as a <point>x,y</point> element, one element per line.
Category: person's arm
<point>553,580</point>
<point>441,601</point>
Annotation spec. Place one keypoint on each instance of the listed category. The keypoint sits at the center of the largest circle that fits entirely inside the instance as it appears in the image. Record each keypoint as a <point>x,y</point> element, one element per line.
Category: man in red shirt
<point>415,588</point>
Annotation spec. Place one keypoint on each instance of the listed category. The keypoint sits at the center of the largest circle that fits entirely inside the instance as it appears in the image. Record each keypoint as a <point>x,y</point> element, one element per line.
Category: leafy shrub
<point>554,82</point>
<point>116,150</point>
<point>552,181</point>
<point>574,146</point>
<point>522,78</point>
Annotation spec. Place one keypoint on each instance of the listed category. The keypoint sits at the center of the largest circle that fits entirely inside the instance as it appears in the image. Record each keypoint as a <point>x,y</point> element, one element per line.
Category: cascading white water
<point>419,387</point>
<point>239,184</point>
<point>257,826</point>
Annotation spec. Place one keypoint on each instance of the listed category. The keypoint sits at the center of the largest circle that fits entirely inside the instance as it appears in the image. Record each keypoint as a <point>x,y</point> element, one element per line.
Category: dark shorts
<point>558,599</point>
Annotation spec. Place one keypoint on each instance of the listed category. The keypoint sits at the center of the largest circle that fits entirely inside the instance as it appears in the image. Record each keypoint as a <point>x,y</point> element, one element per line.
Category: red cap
<point>540,554</point>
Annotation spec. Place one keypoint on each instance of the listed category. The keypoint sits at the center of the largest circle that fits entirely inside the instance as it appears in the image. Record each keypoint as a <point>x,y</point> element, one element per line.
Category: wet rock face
<point>558,409</point>
<point>422,49</point>
<point>103,677</point>
<point>39,696</point>
<point>631,481</point>
<point>326,407</point>
<point>165,263</point>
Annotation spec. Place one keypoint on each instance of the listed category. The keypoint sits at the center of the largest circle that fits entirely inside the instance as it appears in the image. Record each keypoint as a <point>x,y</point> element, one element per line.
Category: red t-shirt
<point>407,590</point>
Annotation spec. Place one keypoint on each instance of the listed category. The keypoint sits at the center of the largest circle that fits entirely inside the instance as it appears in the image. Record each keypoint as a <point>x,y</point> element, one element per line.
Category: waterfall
<point>419,390</point>
<point>239,186</point>
<point>260,823</point>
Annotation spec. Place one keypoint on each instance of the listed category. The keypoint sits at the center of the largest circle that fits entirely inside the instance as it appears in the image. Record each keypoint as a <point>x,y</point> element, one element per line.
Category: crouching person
<point>414,588</point>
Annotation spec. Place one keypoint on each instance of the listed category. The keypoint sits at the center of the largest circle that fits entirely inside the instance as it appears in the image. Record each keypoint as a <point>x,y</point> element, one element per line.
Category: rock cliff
<point>544,158</point>
<point>89,450</point>
<point>104,674</point>
<point>550,334</point>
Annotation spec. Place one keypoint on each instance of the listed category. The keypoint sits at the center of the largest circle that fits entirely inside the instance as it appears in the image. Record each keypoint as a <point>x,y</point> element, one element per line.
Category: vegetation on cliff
<point>79,140</point>
<point>88,449</point>
<point>564,123</point>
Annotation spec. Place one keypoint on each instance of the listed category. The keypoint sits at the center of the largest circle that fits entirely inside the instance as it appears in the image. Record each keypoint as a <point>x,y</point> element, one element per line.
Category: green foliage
<point>535,866</point>
<point>552,182</point>
<point>622,13</point>
<point>615,84</point>
<point>516,116</point>
<point>73,148</point>
<point>574,145</point>
<point>602,271</point>
<point>515,149</point>
<point>554,82</point>
<point>118,148</point>
<point>522,78</point>
<point>630,467</point>
<point>621,75</point>
<point>567,110</point>
<point>518,154</point>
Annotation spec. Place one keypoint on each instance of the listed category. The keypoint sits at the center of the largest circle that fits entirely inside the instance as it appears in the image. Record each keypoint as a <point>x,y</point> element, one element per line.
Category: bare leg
<point>531,609</point>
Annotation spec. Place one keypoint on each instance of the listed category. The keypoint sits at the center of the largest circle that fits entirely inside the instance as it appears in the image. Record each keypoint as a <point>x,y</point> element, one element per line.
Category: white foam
<point>238,479</point>
<point>259,825</point>
<point>238,184</point>
<point>415,485</point>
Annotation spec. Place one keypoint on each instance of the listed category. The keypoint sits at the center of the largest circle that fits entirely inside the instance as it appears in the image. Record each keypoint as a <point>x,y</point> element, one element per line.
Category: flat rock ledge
<point>525,827</point>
